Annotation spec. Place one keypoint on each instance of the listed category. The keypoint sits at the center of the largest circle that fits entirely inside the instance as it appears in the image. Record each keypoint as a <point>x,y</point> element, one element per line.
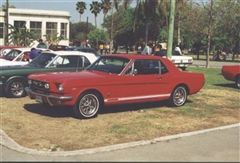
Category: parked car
<point>115,79</point>
<point>86,49</point>
<point>17,57</point>
<point>16,54</point>
<point>7,63</point>
<point>13,80</point>
<point>232,73</point>
<point>181,61</point>
<point>5,49</point>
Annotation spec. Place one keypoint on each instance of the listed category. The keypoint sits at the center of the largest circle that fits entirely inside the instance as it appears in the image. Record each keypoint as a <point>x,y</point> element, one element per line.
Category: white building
<point>44,23</point>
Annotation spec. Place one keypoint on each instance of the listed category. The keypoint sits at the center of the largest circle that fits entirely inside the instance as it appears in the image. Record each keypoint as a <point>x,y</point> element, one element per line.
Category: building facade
<point>43,23</point>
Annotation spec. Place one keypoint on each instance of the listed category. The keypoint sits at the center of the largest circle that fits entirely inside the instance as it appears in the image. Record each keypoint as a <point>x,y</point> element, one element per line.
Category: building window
<point>64,30</point>
<point>36,29</point>
<point>20,24</point>
<point>1,29</point>
<point>51,29</point>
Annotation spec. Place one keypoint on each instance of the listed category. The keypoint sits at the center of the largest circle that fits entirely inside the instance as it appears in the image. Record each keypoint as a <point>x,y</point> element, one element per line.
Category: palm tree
<point>81,6</point>
<point>106,5</point>
<point>20,36</point>
<point>95,8</point>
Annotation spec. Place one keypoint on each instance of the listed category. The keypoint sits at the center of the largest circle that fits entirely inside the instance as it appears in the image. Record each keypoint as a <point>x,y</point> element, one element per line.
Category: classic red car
<point>232,73</point>
<point>115,79</point>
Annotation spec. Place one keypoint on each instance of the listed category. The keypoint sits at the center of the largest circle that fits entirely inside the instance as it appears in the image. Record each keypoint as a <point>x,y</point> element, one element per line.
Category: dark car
<point>87,50</point>
<point>13,79</point>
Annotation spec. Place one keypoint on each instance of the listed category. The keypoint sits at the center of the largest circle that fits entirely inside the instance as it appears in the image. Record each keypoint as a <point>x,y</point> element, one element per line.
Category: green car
<point>13,79</point>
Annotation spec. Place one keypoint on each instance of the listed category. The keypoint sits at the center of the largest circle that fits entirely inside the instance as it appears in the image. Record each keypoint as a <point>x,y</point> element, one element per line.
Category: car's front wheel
<point>88,105</point>
<point>237,82</point>
<point>179,96</point>
<point>15,88</point>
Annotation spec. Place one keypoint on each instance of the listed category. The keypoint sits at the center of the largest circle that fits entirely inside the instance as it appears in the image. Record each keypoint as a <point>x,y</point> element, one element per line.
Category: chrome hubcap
<point>238,82</point>
<point>16,88</point>
<point>179,96</point>
<point>88,105</point>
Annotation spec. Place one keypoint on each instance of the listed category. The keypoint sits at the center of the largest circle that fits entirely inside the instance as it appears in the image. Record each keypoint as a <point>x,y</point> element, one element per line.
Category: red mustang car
<point>232,73</point>
<point>115,79</point>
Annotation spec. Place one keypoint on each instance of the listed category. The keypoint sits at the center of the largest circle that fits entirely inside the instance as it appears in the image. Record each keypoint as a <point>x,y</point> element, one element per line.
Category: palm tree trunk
<point>146,32</point>
<point>6,23</point>
<point>80,18</point>
<point>96,21</point>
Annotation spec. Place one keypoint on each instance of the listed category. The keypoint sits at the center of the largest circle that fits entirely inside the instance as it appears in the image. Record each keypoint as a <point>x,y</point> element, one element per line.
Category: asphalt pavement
<point>218,145</point>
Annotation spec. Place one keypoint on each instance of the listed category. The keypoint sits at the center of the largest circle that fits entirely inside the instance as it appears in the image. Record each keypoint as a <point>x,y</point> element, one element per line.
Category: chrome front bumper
<point>52,100</point>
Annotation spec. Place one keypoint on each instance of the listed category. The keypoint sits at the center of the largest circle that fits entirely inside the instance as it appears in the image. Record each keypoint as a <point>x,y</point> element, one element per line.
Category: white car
<point>182,61</point>
<point>16,57</point>
<point>7,63</point>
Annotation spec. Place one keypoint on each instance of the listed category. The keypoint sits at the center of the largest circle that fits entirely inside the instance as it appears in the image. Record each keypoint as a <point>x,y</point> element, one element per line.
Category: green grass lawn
<point>214,78</point>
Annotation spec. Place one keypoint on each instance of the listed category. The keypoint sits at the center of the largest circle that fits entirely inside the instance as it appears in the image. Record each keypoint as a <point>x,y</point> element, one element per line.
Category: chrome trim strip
<point>137,97</point>
<point>29,91</point>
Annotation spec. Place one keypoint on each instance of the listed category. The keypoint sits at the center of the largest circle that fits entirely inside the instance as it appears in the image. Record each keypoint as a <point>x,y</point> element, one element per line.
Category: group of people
<point>104,48</point>
<point>156,49</point>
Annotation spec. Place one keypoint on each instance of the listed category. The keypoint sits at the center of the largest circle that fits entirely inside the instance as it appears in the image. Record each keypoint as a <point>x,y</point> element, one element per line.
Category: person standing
<point>177,50</point>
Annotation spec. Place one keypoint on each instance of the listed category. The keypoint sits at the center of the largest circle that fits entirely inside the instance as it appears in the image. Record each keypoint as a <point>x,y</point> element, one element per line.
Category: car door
<point>144,80</point>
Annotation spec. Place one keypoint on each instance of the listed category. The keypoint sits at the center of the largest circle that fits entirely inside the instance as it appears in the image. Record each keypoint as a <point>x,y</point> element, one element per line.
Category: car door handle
<point>159,78</point>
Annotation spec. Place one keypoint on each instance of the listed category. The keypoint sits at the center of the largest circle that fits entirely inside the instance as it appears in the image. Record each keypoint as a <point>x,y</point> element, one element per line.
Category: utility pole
<point>210,22</point>
<point>6,23</point>
<point>111,35</point>
<point>171,28</point>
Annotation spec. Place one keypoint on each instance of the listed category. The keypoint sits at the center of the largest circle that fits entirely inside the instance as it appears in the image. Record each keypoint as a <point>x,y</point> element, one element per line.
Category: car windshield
<point>42,60</point>
<point>12,54</point>
<point>108,64</point>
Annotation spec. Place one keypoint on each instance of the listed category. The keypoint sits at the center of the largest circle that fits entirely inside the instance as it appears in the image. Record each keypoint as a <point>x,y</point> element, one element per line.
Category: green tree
<point>80,7</point>
<point>97,35</point>
<point>95,8</point>
<point>79,31</point>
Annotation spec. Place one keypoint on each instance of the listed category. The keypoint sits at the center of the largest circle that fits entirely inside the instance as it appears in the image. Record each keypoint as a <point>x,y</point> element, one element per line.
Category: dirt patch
<point>35,126</point>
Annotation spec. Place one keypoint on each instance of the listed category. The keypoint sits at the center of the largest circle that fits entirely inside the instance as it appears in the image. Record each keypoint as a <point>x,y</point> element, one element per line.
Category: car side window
<point>146,67</point>
<point>68,62</point>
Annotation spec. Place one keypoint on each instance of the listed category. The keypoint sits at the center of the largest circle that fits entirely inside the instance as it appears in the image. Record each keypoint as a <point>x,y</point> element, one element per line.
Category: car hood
<point>63,77</point>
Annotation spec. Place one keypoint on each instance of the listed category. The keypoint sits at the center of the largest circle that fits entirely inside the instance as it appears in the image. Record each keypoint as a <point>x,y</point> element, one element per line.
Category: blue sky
<point>64,5</point>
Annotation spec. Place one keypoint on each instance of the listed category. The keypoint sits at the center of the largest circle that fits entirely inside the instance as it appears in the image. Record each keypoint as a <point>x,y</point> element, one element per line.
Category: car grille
<point>39,86</point>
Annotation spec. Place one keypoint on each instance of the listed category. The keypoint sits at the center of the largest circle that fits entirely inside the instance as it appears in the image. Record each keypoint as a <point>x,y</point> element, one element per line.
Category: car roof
<point>92,57</point>
<point>23,49</point>
<point>136,56</point>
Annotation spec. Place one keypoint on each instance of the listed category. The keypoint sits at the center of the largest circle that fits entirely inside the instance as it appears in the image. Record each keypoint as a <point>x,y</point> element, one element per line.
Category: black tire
<point>179,96</point>
<point>15,88</point>
<point>237,82</point>
<point>88,105</point>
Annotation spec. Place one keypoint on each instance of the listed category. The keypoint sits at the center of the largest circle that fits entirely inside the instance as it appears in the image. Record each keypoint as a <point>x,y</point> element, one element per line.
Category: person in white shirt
<point>177,51</point>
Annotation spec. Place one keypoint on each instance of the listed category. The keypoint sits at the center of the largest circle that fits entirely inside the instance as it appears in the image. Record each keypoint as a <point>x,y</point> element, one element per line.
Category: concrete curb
<point>10,143</point>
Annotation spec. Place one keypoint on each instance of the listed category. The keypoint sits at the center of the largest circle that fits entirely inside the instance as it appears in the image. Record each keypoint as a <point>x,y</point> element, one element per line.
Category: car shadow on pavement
<point>56,112</point>
<point>228,85</point>
<point>132,107</point>
<point>62,112</point>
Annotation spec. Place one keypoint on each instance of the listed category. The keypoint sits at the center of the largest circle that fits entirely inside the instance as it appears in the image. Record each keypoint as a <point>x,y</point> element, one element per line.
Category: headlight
<point>29,82</point>
<point>60,87</point>
<point>46,86</point>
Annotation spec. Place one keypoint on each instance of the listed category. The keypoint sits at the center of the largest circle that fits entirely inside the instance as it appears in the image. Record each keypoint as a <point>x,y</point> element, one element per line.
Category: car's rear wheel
<point>15,88</point>
<point>237,82</point>
<point>179,96</point>
<point>88,105</point>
